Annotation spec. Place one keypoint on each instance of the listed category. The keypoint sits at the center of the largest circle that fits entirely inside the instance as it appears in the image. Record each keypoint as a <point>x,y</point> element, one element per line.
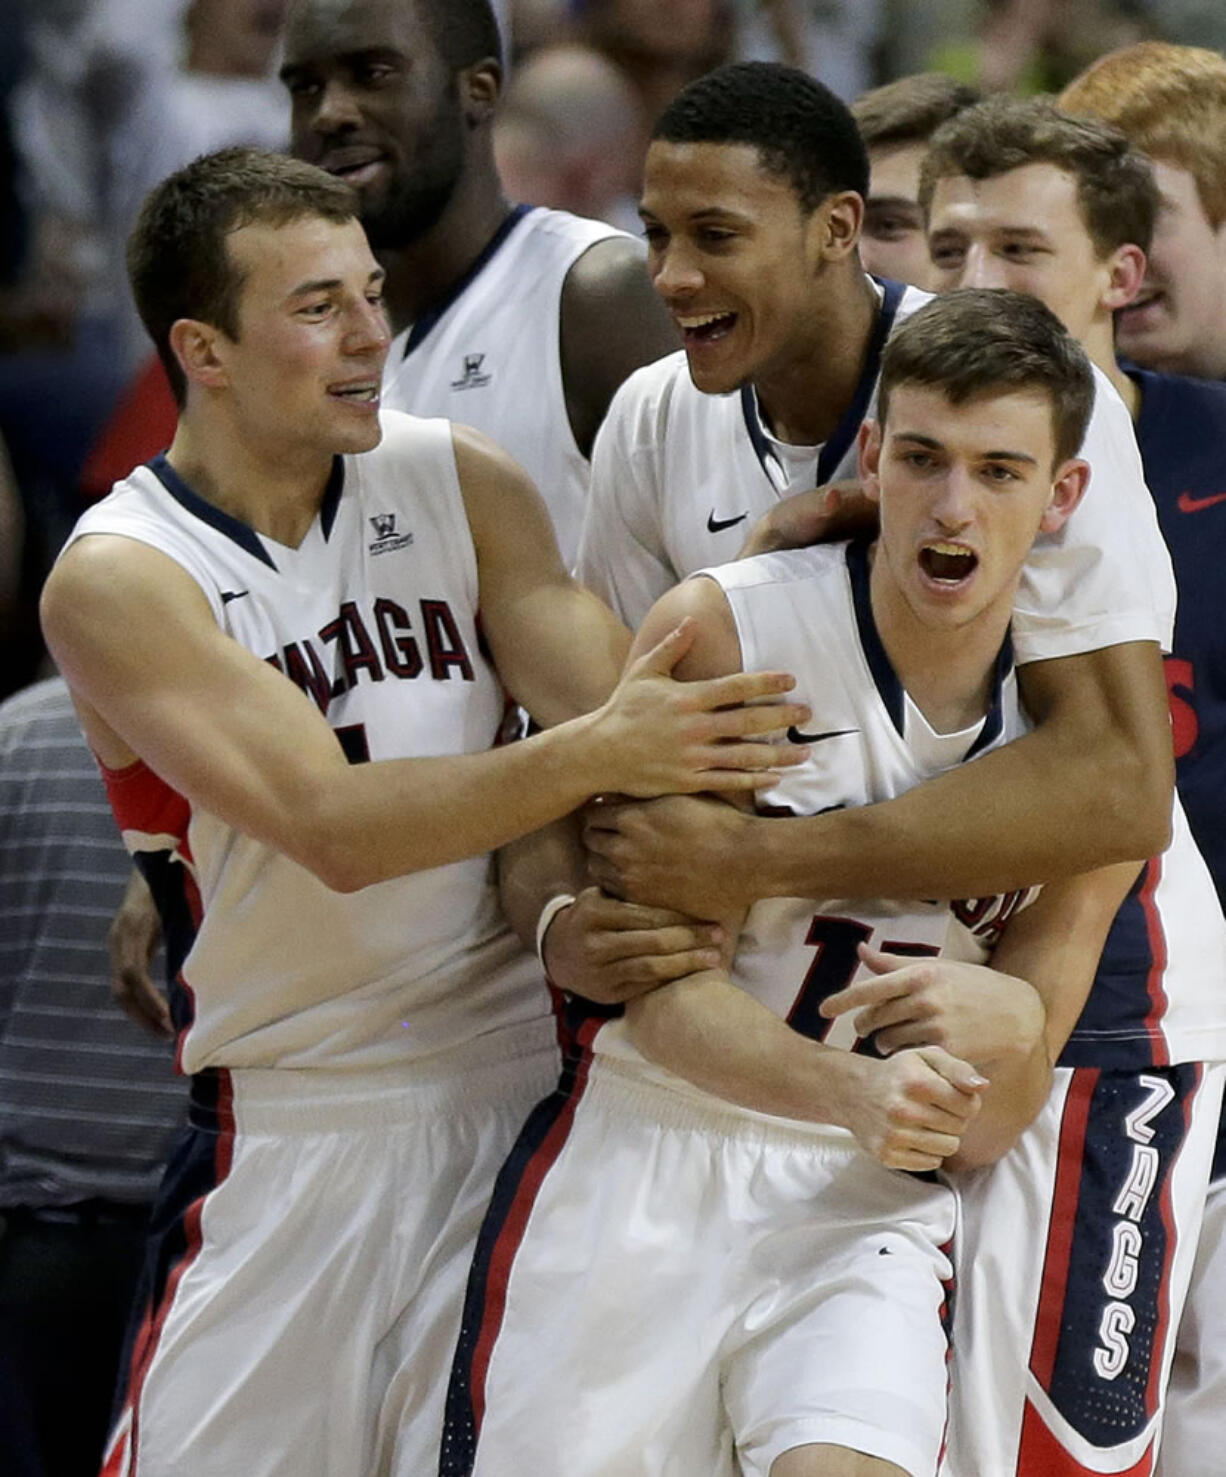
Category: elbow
<point>1140,790</point>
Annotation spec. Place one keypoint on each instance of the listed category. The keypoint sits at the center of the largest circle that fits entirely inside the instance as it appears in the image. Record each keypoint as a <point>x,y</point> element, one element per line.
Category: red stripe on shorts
<point>503,1254</point>
<point>1065,1195</point>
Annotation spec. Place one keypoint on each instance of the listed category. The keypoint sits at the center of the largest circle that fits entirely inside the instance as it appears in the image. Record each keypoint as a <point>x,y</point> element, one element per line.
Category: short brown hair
<point>910,109</point>
<point>1115,184</point>
<point>980,342</point>
<point>1170,102</point>
<point>178,264</point>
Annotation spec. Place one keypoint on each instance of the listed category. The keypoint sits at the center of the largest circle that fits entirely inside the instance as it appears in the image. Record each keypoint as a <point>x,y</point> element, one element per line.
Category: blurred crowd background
<point>101,98</point>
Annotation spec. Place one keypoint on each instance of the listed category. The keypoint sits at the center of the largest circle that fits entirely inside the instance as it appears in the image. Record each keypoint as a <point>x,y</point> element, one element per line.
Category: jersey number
<point>834,965</point>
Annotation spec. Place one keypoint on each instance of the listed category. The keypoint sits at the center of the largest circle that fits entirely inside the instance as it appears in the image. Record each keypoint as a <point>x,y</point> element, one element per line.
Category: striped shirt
<point>88,1100</point>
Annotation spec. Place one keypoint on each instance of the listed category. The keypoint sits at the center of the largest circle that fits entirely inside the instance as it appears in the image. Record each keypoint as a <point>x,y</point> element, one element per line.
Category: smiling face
<point>1023,230</point>
<point>373,102</point>
<point>893,242</point>
<point>735,258</point>
<point>302,376</point>
<point>1177,321</point>
<point>963,490</point>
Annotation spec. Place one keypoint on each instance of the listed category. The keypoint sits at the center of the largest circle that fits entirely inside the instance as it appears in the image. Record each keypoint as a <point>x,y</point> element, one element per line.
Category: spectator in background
<point>1170,102</point>
<point>570,135</point>
<point>659,47</point>
<point>87,1107</point>
<point>896,122</point>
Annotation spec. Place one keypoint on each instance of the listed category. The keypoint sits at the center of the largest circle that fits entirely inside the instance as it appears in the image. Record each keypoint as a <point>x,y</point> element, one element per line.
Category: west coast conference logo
<point>472,378</point>
<point>387,540</point>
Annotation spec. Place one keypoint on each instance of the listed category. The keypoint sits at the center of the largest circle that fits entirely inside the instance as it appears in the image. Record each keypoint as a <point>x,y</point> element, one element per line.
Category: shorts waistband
<point>506,1067</point>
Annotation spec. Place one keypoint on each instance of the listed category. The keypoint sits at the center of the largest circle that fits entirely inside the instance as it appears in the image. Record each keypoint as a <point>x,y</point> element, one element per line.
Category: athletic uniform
<point>679,478</point>
<point>360,1062</point>
<point>489,355</point>
<point>666,1284</point>
<point>1181,430</point>
<point>1063,1335</point>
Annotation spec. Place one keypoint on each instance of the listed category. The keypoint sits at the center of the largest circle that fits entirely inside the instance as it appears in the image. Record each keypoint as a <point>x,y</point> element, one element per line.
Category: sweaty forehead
<point>318,30</point>
<point>709,175</point>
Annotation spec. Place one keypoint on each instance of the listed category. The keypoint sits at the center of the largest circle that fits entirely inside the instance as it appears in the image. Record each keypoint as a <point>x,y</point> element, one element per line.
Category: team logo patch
<point>473,377</point>
<point>387,540</point>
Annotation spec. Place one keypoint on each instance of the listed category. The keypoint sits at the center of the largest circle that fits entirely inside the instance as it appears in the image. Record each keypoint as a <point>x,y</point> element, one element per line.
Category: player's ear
<point>1126,269</point>
<point>868,459</point>
<point>194,345</point>
<point>480,89</point>
<point>1071,481</point>
<point>835,225</point>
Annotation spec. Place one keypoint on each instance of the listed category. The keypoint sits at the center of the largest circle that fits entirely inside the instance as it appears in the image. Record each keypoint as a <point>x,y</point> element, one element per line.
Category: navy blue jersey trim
<point>844,434</point>
<point>758,438</point>
<point>332,496</point>
<point>423,324</point>
<point>240,533</point>
<point>994,723</point>
<point>885,677</point>
<point>842,438</point>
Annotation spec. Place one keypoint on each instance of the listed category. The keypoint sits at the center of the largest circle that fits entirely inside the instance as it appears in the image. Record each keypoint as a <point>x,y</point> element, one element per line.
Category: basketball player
<point>293,586</point>
<point>720,1277</point>
<point>1021,196</point>
<point>752,203</point>
<point>519,321</point>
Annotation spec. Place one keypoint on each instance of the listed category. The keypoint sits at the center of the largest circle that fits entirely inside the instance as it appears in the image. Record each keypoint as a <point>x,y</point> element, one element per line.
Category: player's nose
<point>982,268</point>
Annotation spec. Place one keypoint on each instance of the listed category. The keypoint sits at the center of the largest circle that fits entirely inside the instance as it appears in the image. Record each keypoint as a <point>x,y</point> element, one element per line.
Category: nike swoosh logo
<point>717,525</point>
<point>796,737</point>
<point>228,595</point>
<point>1189,504</point>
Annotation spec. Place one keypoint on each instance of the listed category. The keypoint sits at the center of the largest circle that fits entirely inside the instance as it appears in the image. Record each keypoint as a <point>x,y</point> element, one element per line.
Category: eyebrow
<point>916,438</point>
<point>705,213</point>
<point>881,202</point>
<point>347,59</point>
<point>330,284</point>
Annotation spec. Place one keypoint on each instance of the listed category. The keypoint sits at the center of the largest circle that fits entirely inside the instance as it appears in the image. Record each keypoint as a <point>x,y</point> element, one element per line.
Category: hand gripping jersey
<point>489,356</point>
<point>374,616</point>
<point>679,478</point>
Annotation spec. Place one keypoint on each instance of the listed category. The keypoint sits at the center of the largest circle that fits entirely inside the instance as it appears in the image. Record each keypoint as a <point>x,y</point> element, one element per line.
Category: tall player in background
<point>753,202</point>
<point>245,622</point>
<point>520,321</point>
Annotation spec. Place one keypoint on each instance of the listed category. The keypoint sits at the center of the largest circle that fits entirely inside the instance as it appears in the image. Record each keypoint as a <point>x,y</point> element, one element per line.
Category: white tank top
<point>490,356</point>
<point>374,615</point>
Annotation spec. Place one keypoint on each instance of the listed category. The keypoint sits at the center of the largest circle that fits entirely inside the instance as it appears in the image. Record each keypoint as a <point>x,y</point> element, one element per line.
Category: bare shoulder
<point>612,323</point>
<point>716,647</point>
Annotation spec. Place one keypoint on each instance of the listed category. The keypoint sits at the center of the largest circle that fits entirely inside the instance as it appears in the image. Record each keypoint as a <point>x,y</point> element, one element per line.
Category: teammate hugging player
<point>701,1241</point>
<point>297,582</point>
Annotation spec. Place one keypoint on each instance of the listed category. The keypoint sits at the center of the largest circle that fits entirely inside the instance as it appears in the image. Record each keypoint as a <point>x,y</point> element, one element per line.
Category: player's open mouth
<point>947,564</point>
<point>704,328</point>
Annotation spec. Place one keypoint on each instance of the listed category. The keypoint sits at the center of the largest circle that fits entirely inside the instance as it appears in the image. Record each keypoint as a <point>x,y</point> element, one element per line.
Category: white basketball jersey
<point>374,616</point>
<point>679,478</point>
<point>489,356</point>
<point>807,611</point>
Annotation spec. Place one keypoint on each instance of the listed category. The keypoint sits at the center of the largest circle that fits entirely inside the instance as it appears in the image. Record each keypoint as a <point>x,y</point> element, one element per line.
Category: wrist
<point>549,912</point>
